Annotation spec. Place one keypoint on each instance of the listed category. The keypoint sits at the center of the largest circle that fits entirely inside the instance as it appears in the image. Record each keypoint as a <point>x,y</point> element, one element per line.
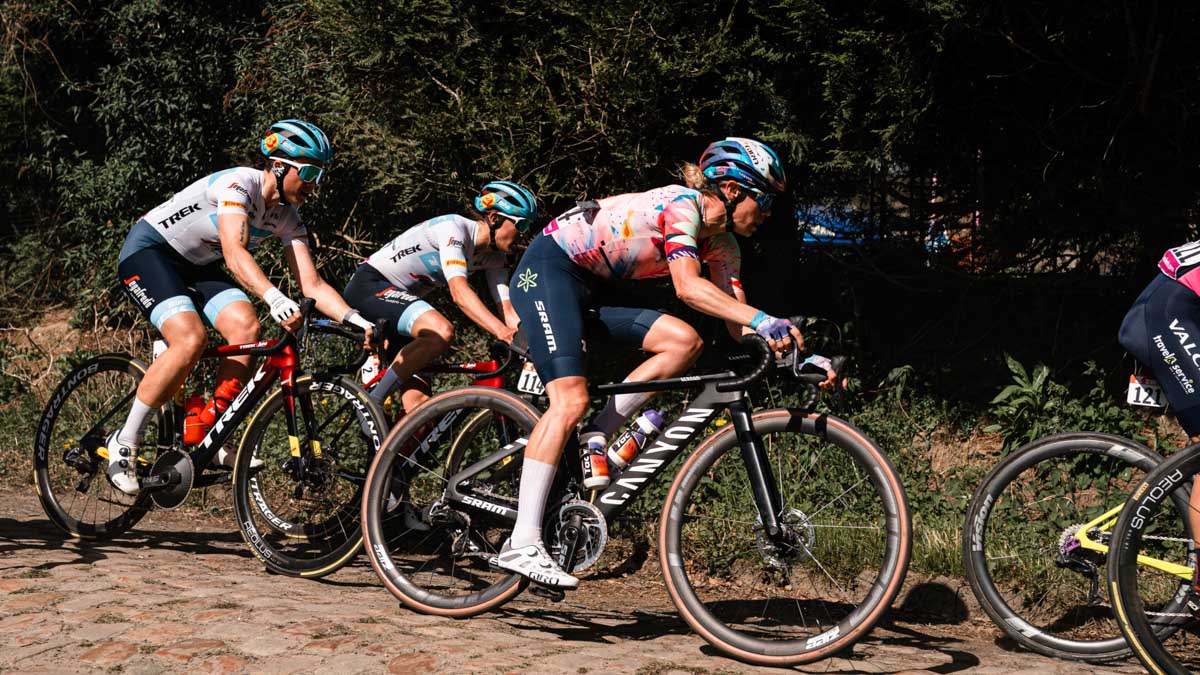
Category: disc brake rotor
<point>798,536</point>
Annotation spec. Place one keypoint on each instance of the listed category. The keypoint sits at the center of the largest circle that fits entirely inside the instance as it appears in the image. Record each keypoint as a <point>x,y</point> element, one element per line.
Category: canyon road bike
<point>784,537</point>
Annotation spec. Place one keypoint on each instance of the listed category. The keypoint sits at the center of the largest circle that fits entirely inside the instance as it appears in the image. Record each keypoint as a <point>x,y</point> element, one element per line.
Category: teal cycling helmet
<point>746,162</point>
<point>509,199</point>
<point>296,139</point>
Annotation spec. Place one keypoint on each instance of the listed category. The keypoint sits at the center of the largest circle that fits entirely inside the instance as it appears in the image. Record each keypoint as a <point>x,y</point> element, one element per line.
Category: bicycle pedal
<point>551,594</point>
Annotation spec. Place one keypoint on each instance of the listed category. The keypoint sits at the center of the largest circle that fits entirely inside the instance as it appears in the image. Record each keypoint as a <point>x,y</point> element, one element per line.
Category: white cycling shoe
<point>534,563</point>
<point>225,457</point>
<point>122,465</point>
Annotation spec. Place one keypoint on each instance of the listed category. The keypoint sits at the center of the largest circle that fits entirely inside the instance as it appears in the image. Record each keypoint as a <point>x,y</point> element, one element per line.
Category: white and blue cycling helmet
<point>511,200</point>
<point>296,139</point>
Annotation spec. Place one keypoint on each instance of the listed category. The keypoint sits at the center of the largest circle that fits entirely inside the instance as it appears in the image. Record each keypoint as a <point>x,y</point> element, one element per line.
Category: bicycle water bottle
<point>595,468</point>
<point>193,428</point>
<point>630,443</point>
<point>219,403</point>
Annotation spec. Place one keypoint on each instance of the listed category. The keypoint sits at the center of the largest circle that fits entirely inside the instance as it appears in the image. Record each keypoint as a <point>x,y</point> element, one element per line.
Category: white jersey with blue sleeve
<point>188,220</point>
<point>430,254</point>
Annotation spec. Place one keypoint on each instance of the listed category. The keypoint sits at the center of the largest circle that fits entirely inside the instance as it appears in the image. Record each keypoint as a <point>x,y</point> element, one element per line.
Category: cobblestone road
<point>183,594</point>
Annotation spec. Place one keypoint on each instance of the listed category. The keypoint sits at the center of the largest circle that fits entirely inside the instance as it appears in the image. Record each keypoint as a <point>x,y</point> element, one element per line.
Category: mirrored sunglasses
<point>763,199</point>
<point>309,173</point>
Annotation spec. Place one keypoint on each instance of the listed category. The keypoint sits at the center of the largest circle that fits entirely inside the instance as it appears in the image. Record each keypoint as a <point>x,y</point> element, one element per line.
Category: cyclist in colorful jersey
<point>441,252</point>
<point>668,231</point>
<point>170,268</point>
<point>1162,331</point>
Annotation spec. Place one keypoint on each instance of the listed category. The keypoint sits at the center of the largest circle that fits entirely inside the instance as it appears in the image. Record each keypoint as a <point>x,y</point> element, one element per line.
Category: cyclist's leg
<point>152,280</point>
<point>227,308</point>
<point>548,299</point>
<point>674,346</point>
<point>415,391</point>
<point>431,334</point>
<point>1163,332</point>
<point>405,318</point>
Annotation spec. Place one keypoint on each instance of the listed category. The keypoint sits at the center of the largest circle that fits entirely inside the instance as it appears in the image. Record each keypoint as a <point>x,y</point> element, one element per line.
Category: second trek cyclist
<point>668,231</point>
<point>389,286</point>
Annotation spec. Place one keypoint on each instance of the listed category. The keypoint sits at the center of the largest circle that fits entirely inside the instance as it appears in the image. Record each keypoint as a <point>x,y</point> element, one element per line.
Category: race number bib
<point>529,382</point>
<point>1146,392</point>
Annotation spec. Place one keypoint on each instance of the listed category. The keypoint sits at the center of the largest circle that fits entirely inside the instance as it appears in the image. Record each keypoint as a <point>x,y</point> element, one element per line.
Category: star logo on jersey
<point>527,280</point>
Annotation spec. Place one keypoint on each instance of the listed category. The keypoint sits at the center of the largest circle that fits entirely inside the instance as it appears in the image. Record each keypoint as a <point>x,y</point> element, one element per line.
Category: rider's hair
<point>694,178</point>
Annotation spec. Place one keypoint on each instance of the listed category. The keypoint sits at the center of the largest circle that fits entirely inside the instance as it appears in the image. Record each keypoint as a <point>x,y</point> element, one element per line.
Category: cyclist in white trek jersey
<point>441,252</point>
<point>170,267</point>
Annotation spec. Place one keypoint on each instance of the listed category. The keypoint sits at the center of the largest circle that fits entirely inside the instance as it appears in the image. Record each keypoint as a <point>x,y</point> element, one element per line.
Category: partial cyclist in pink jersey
<point>1161,330</point>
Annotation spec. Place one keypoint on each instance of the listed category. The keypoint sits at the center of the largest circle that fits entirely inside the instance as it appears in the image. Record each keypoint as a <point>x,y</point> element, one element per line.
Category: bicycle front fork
<point>758,468</point>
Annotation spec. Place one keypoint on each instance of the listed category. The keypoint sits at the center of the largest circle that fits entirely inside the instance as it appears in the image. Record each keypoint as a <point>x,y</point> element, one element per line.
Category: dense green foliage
<point>1061,131</point>
<point>1050,142</point>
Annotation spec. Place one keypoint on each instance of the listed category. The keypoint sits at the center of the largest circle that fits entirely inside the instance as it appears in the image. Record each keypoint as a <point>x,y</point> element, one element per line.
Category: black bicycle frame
<point>658,454</point>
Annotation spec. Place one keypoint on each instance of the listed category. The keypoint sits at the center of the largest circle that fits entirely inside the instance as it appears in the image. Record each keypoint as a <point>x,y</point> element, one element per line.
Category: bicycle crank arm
<point>570,542</point>
<point>170,480</point>
<point>163,480</point>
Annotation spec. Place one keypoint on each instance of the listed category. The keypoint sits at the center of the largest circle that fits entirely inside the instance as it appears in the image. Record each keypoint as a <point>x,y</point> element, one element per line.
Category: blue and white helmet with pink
<point>296,139</point>
<point>746,162</point>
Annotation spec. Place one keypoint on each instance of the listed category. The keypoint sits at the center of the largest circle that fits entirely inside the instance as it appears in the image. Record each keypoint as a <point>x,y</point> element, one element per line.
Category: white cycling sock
<point>618,410</point>
<point>131,434</point>
<point>385,386</point>
<point>536,478</point>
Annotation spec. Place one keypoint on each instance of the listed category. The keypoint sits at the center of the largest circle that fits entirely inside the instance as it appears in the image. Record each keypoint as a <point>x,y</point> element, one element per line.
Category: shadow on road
<point>586,624</point>
<point>41,534</point>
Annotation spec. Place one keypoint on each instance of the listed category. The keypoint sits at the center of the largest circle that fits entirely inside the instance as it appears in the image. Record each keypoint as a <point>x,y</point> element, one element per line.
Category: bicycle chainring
<point>179,466</point>
<point>593,533</point>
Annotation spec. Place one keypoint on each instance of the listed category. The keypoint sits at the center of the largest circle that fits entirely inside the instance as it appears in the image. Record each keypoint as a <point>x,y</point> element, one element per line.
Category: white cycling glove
<point>282,307</point>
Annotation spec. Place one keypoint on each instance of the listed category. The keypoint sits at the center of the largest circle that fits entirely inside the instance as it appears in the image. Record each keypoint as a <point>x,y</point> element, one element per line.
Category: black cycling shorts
<point>1161,331</point>
<point>382,302</point>
<point>550,294</point>
<point>162,284</point>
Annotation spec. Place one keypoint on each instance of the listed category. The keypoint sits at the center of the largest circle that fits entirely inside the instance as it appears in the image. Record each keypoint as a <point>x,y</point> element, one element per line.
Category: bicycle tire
<point>310,530</point>
<point>726,572</point>
<point>1046,621</point>
<point>1142,515</point>
<point>401,571</point>
<point>74,408</point>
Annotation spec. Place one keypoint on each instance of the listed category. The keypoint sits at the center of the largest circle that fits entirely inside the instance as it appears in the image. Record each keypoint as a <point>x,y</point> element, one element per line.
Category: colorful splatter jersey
<point>636,235</point>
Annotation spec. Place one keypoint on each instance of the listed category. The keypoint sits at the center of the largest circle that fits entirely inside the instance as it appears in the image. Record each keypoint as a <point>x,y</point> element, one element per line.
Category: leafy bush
<point>1034,405</point>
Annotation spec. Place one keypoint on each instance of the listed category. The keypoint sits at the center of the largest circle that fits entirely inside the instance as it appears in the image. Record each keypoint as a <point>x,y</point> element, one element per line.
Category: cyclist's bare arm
<point>304,270</point>
<point>510,315</point>
<point>471,305</point>
<point>234,231</point>
<point>705,296</point>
